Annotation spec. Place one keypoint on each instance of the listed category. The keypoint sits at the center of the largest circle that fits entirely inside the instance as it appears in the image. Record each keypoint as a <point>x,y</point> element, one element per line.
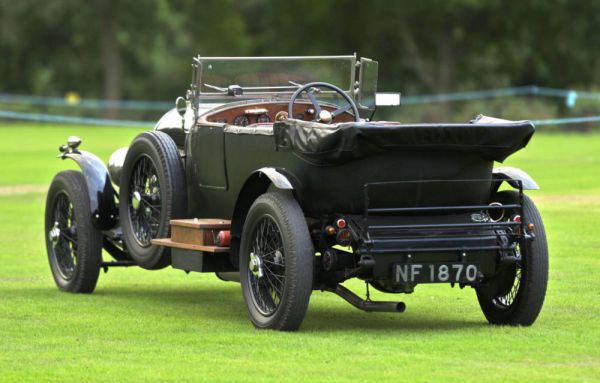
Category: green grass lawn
<point>166,325</point>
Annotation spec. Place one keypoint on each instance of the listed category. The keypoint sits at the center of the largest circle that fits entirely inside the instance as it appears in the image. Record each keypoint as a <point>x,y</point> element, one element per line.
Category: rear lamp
<point>341,223</point>
<point>343,237</point>
<point>330,230</point>
<point>516,218</point>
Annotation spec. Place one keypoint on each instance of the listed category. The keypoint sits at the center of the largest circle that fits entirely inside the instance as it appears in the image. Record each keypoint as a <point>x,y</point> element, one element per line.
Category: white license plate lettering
<point>471,273</point>
<point>416,270</point>
<point>435,272</point>
<point>402,273</point>
<point>459,269</point>
<point>443,274</point>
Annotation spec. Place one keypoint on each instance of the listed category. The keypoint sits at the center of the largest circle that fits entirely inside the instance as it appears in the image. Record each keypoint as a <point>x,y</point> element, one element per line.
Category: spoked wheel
<point>63,236</point>
<point>145,207</point>
<point>516,295</point>
<point>152,192</point>
<point>505,296</point>
<point>267,266</point>
<point>73,244</point>
<point>276,262</point>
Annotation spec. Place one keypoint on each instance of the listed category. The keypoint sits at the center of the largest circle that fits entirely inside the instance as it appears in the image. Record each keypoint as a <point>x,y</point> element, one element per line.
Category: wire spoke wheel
<point>63,236</point>
<point>73,244</point>
<point>145,206</point>
<point>152,193</point>
<point>515,294</point>
<point>266,272</point>
<point>506,298</point>
<point>276,262</point>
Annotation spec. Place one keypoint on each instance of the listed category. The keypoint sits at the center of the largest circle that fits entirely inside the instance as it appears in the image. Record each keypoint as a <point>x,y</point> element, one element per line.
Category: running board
<point>206,235</point>
<point>369,306</point>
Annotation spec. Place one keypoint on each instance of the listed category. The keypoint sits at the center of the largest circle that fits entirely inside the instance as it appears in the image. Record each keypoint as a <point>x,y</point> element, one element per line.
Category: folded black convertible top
<point>321,143</point>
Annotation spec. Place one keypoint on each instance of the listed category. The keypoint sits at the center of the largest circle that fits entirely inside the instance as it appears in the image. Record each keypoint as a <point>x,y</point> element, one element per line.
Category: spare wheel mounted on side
<point>152,192</point>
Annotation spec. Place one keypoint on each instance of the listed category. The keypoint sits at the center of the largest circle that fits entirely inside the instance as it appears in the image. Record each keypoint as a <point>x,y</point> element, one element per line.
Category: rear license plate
<point>435,272</point>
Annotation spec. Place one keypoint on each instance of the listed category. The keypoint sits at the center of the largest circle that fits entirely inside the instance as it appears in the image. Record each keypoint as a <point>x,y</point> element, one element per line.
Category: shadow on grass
<point>226,304</point>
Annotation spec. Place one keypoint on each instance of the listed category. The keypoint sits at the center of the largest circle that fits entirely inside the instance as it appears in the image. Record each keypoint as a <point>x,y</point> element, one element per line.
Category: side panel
<point>208,157</point>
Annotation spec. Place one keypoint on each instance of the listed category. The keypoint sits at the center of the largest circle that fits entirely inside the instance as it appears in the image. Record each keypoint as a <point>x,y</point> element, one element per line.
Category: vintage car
<point>272,172</point>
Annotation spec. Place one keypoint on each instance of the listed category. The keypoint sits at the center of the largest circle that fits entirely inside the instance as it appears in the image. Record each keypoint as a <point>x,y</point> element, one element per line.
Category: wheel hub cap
<point>136,200</point>
<point>54,234</point>
<point>255,265</point>
<point>278,259</point>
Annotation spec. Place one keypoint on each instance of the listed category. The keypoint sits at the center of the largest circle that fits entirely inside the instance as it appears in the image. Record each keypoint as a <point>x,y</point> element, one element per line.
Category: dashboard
<point>264,113</point>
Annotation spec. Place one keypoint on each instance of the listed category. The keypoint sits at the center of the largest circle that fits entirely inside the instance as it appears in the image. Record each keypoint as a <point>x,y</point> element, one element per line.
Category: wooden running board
<point>195,234</point>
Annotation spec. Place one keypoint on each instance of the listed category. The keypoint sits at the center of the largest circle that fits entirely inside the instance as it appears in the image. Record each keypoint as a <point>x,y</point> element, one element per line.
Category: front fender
<point>100,191</point>
<point>509,174</point>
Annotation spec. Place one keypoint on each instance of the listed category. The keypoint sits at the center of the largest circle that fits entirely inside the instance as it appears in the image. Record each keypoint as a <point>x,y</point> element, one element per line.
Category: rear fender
<point>510,175</point>
<point>100,191</point>
<point>257,183</point>
<point>278,177</point>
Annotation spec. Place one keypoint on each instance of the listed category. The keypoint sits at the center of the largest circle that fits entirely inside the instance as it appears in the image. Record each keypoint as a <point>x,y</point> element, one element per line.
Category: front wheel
<point>276,262</point>
<point>516,295</point>
<point>73,244</point>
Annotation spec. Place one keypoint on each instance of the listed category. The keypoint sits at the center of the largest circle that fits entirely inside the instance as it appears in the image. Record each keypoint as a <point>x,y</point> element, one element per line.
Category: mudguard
<point>509,174</point>
<point>100,190</point>
<point>277,177</point>
<point>257,183</point>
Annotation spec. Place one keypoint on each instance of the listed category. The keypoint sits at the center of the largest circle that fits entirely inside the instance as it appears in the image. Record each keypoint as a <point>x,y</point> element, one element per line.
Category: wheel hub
<point>278,258</point>
<point>256,265</point>
<point>136,200</point>
<point>54,234</point>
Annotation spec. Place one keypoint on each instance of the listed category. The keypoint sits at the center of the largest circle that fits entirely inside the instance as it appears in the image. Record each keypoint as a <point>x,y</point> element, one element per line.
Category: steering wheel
<point>322,115</point>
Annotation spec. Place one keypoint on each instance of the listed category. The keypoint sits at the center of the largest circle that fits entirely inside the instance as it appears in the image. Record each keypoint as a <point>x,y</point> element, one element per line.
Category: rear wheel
<point>152,192</point>
<point>73,244</point>
<point>516,295</point>
<point>276,262</point>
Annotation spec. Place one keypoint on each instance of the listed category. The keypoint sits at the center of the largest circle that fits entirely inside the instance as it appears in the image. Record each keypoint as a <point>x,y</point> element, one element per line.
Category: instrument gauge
<point>263,119</point>
<point>241,120</point>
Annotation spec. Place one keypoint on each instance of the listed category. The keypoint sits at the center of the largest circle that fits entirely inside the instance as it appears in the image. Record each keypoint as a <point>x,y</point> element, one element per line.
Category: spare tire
<point>152,192</point>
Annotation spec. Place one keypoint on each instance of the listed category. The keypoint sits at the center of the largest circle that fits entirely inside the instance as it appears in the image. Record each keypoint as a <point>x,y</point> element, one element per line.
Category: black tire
<point>154,170</point>
<point>73,244</point>
<point>516,296</point>
<point>279,218</point>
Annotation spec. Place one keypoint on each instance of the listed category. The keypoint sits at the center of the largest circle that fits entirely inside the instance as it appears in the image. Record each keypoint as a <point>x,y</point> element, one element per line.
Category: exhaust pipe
<point>369,306</point>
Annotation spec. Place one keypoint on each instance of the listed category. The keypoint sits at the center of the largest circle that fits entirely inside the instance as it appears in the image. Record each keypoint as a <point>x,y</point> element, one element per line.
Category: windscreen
<point>368,83</point>
<point>272,75</point>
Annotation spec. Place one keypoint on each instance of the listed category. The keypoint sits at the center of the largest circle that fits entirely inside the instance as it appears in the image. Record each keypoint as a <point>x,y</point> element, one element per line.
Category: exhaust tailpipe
<point>370,306</point>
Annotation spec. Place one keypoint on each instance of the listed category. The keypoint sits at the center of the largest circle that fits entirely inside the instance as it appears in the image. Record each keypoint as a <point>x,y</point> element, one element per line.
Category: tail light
<point>341,223</point>
<point>344,237</point>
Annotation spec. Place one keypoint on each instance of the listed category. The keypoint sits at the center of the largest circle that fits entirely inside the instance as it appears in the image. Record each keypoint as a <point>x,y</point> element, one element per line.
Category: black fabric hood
<point>328,144</point>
